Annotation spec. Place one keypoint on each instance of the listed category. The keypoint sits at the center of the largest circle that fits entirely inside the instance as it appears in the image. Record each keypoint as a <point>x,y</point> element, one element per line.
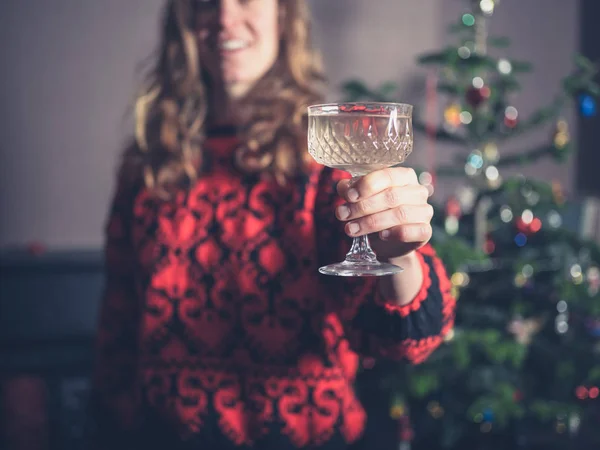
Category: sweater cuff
<point>415,303</point>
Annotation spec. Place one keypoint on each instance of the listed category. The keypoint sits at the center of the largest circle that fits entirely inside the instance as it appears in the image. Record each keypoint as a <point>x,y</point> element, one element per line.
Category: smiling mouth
<point>233,45</point>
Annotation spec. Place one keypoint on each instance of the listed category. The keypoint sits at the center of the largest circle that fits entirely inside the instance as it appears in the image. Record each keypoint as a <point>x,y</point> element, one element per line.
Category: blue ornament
<point>587,104</point>
<point>488,415</point>
<point>520,240</point>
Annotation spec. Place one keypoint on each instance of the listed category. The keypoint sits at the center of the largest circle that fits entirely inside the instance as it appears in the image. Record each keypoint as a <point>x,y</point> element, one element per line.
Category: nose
<point>230,14</point>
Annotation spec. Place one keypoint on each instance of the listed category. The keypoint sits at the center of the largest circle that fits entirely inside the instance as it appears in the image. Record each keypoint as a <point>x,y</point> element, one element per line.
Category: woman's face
<point>238,40</point>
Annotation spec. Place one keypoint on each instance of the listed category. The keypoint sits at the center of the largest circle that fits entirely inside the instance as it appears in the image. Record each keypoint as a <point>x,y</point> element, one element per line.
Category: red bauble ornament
<point>490,246</point>
<point>511,116</point>
<point>510,123</point>
<point>581,392</point>
<point>522,226</point>
<point>453,207</point>
<point>476,96</point>
<point>405,431</point>
<point>528,228</point>
<point>407,435</point>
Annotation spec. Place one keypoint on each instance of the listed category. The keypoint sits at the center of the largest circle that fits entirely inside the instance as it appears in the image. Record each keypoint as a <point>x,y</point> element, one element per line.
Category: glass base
<point>361,269</point>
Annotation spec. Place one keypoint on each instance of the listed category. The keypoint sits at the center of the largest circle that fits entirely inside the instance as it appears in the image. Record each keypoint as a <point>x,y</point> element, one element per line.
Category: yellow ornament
<point>520,280</point>
<point>452,115</point>
<point>457,279</point>
<point>460,279</point>
<point>562,125</point>
<point>397,411</point>
<point>490,152</point>
<point>561,135</point>
<point>435,410</point>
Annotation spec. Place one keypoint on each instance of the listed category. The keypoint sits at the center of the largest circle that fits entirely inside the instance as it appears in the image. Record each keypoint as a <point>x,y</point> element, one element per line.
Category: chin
<point>237,89</point>
<point>238,84</point>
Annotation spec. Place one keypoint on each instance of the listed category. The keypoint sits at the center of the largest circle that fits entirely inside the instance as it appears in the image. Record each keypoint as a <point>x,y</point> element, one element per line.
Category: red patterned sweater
<point>217,331</point>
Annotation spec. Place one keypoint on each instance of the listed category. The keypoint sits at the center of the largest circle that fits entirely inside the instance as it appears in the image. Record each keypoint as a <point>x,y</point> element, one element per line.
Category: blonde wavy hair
<point>170,113</point>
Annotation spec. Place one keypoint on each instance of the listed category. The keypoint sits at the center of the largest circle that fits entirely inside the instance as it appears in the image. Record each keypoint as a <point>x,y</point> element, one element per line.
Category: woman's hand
<point>391,203</point>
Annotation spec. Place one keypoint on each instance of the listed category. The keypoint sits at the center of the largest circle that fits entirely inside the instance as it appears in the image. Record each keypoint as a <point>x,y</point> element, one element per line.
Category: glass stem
<point>361,251</point>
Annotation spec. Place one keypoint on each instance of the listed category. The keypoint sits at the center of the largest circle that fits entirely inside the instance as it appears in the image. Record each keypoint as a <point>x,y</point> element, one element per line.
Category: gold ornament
<point>520,280</point>
<point>490,153</point>
<point>525,329</point>
<point>435,410</point>
<point>397,411</point>
<point>561,135</point>
<point>460,279</point>
<point>452,115</point>
<point>398,408</point>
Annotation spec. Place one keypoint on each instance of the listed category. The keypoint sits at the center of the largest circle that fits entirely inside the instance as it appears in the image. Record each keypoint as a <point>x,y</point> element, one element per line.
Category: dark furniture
<point>48,309</point>
<point>588,160</point>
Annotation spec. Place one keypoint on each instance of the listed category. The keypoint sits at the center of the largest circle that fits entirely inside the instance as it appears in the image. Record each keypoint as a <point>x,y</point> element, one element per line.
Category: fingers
<point>390,202</point>
<point>390,198</point>
<point>416,233</point>
<point>376,182</point>
<point>406,216</point>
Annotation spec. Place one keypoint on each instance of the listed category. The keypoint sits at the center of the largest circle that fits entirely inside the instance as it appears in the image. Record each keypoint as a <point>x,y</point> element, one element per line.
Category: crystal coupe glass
<point>360,138</point>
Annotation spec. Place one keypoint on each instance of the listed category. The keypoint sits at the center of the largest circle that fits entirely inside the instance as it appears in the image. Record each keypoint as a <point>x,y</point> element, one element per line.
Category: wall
<point>68,74</point>
<point>67,77</point>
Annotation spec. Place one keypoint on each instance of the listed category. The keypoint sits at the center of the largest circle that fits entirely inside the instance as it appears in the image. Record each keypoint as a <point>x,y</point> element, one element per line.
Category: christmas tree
<point>521,369</point>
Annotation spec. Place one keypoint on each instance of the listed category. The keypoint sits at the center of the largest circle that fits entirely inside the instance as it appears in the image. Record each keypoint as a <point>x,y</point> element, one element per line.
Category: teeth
<point>233,44</point>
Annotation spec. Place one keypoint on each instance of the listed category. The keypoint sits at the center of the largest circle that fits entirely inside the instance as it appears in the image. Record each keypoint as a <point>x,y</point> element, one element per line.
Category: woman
<point>217,331</point>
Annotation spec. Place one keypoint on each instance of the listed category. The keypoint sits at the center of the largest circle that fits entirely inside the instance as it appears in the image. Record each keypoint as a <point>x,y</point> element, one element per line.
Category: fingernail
<point>353,228</point>
<point>385,234</point>
<point>352,195</point>
<point>343,212</point>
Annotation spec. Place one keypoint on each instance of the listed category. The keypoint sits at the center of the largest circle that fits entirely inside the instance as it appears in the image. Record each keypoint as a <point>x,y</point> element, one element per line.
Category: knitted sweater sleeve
<point>375,327</point>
